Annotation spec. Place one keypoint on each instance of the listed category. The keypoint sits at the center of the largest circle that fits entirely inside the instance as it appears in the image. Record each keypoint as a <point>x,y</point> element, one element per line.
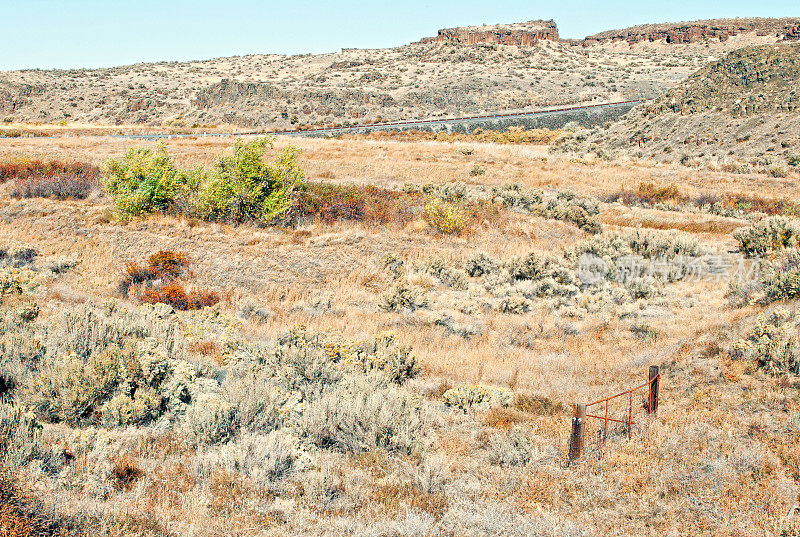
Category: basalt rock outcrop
<point>526,34</point>
<point>691,32</point>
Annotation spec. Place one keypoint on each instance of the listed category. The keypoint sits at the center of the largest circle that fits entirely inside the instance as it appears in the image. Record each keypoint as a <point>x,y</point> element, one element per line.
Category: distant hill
<point>744,108</point>
<point>466,70</point>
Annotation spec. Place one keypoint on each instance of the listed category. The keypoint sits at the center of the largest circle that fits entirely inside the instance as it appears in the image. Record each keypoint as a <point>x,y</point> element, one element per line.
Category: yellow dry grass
<point>720,459</point>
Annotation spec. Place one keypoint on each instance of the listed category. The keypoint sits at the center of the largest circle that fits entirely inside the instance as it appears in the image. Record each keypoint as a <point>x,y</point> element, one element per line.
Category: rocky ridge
<point>787,29</point>
<point>525,34</point>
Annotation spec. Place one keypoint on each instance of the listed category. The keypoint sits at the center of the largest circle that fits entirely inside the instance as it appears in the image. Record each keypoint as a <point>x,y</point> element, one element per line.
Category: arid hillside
<point>744,108</point>
<point>463,71</point>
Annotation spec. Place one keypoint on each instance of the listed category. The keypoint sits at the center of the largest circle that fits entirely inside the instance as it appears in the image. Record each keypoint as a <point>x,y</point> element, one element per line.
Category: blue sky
<point>93,33</point>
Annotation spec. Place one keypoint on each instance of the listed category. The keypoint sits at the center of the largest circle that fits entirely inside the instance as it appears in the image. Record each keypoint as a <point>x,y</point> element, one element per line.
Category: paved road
<point>436,123</point>
<point>501,121</point>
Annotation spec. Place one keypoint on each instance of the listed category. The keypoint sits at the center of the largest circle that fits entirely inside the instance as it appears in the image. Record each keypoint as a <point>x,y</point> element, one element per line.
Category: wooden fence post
<point>653,391</point>
<point>576,439</point>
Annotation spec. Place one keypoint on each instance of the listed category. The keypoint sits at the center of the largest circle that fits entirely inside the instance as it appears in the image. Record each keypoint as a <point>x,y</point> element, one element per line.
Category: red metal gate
<point>607,411</point>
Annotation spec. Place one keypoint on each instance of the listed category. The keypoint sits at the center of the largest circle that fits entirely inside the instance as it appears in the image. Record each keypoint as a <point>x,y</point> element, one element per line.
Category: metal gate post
<point>576,439</point>
<point>653,392</point>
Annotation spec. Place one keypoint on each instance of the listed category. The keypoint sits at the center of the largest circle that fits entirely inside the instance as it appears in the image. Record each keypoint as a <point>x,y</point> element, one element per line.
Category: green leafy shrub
<point>244,187</point>
<point>144,181</point>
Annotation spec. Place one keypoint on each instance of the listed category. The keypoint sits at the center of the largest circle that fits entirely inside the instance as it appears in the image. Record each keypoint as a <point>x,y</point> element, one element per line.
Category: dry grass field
<point>351,373</point>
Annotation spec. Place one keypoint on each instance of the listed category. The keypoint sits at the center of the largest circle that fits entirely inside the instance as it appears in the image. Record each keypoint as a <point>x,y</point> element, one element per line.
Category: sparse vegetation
<point>60,187</point>
<point>670,197</point>
<point>345,368</point>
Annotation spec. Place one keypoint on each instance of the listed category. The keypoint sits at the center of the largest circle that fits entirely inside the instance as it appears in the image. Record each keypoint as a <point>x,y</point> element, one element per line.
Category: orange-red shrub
<point>22,514</point>
<point>26,168</point>
<point>166,263</point>
<point>126,472</point>
<point>158,282</point>
<point>750,203</point>
<point>174,294</point>
<point>329,203</point>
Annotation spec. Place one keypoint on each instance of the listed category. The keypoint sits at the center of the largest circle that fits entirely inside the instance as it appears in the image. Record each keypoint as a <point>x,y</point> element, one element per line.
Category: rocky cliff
<point>525,34</point>
<point>691,32</point>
